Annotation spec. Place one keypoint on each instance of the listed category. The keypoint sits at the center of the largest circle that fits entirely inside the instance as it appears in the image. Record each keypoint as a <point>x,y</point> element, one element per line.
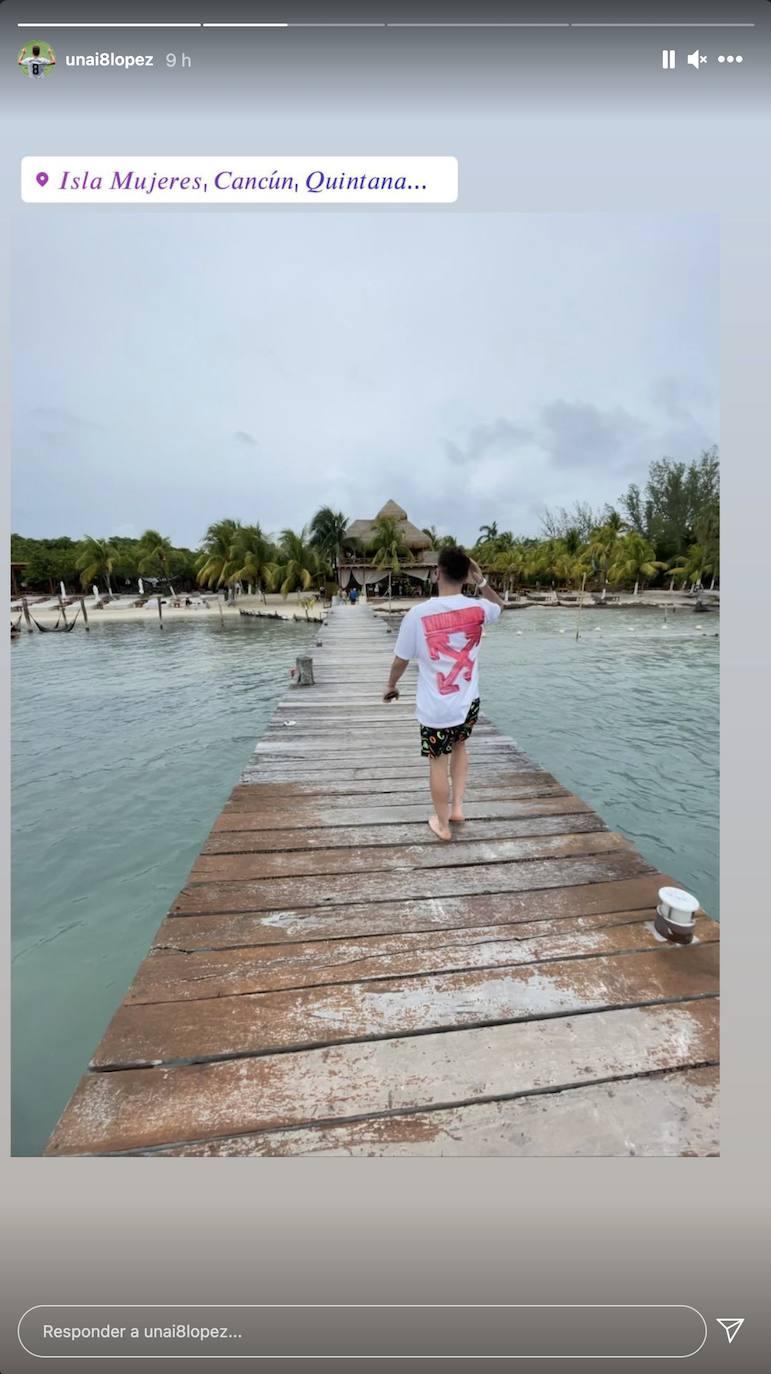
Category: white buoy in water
<point>676,913</point>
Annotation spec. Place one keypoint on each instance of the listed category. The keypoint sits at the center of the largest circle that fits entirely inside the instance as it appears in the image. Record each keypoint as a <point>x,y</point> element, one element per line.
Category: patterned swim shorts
<point>434,742</point>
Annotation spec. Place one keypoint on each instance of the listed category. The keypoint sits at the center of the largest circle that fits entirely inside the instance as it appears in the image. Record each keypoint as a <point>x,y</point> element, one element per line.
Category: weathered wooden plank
<point>579,819</point>
<point>139,1108</point>
<point>342,889</point>
<point>387,723</point>
<point>225,930</point>
<point>219,1027</point>
<point>298,720</point>
<point>665,1114</point>
<point>498,784</point>
<point>371,742</point>
<point>399,756</point>
<point>269,771</point>
<point>167,976</point>
<point>256,796</point>
<point>404,735</point>
<point>311,811</point>
<point>378,859</point>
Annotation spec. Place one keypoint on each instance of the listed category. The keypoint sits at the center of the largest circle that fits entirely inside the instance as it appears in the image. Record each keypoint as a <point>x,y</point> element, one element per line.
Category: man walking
<point>444,636</point>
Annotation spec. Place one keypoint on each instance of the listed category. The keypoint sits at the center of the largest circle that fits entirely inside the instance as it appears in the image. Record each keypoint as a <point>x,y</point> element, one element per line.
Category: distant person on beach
<point>353,595</point>
<point>444,636</point>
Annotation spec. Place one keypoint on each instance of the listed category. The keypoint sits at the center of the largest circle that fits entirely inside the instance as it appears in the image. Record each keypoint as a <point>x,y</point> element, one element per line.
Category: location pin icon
<point>41,178</point>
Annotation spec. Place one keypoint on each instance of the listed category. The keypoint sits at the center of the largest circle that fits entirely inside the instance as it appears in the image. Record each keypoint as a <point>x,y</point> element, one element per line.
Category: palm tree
<point>327,530</point>
<point>542,559</point>
<point>707,532</point>
<point>600,552</point>
<point>488,532</point>
<point>154,554</point>
<point>256,559</point>
<point>693,565</point>
<point>634,559</point>
<point>299,563</point>
<point>509,565</point>
<point>571,541</point>
<point>95,559</point>
<point>389,547</point>
<point>217,564</point>
<point>567,568</point>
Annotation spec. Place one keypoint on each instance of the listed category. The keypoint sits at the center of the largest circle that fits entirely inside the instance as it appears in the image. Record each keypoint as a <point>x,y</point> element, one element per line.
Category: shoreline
<point>123,611</point>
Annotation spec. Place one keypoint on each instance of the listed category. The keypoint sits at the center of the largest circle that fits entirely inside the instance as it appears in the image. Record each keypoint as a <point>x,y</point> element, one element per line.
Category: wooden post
<point>305,676</point>
<point>580,604</point>
<point>27,615</point>
<point>85,612</point>
<point>160,612</point>
<point>222,613</point>
<point>61,608</point>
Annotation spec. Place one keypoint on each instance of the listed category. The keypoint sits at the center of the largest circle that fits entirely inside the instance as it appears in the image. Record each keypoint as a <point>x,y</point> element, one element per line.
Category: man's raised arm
<point>482,585</point>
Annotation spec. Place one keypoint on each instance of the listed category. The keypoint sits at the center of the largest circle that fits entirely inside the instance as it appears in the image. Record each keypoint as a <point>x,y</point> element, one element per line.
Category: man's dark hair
<point>455,564</point>
<point>35,51</point>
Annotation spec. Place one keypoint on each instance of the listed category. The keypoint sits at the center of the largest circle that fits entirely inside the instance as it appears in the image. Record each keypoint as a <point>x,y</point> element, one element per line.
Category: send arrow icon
<point>731,1325</point>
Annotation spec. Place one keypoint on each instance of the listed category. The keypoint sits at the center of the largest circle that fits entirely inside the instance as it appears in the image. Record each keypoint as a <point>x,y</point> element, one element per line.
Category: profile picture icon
<point>36,60</point>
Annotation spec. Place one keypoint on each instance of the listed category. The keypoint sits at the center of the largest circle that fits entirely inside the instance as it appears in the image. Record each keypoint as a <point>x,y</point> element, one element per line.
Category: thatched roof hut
<point>364,530</point>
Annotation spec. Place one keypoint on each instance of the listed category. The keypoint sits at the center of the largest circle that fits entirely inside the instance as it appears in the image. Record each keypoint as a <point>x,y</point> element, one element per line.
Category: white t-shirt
<point>443,635</point>
<point>36,65</point>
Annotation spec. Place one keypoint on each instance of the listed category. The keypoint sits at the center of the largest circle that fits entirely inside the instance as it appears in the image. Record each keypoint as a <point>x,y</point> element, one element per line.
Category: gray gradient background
<point>583,121</point>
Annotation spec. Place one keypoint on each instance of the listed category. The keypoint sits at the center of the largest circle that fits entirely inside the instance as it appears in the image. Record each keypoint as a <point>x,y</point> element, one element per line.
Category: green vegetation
<point>156,553</point>
<point>388,548</point>
<point>327,535</point>
<point>667,533</point>
<point>300,565</point>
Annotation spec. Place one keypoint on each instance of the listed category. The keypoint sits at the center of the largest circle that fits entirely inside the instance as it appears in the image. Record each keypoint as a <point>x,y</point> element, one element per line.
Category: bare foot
<point>436,826</point>
<point>457,815</point>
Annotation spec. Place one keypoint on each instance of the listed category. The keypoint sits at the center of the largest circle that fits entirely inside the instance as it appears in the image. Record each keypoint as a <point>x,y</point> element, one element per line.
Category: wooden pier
<point>333,979</point>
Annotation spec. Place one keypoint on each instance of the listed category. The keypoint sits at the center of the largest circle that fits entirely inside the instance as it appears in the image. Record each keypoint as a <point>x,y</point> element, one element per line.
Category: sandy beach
<point>122,610</point>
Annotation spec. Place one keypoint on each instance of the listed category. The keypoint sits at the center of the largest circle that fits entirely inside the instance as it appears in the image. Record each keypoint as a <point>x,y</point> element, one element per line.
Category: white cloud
<point>453,362</point>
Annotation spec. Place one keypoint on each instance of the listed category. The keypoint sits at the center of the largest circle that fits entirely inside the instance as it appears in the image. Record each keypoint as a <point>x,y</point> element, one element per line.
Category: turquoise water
<point>627,717</point>
<point>127,742</point>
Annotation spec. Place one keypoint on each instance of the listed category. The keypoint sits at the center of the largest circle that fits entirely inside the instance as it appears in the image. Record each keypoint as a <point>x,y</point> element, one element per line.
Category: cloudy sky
<point>174,368</point>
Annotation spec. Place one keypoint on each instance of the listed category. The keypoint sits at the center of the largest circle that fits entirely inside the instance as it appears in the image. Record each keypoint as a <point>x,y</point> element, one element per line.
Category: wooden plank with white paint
<point>378,858</point>
<point>138,1108</point>
<point>168,975</point>
<point>664,1114</point>
<point>260,1023</point>
<point>220,930</point>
